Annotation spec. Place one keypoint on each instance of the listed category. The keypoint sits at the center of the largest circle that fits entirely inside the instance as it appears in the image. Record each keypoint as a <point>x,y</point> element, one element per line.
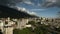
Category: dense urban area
<point>29,16</point>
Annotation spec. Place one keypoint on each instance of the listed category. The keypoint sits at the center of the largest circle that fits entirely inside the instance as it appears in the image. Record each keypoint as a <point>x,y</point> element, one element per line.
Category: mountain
<point>12,13</point>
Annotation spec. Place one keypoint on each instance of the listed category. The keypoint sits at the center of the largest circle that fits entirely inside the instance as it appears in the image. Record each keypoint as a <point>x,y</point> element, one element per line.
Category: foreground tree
<point>23,31</point>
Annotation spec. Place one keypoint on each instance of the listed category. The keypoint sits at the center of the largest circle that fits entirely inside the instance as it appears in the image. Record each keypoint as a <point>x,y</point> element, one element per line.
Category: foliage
<point>23,31</point>
<point>40,29</point>
<point>16,31</point>
<point>32,23</point>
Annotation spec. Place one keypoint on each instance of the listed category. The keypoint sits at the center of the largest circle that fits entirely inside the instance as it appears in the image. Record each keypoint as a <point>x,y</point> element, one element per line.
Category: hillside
<point>13,13</point>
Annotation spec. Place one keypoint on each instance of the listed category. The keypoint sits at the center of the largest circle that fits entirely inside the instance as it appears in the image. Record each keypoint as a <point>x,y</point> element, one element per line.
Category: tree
<point>16,31</point>
<point>23,31</point>
<point>32,23</point>
<point>41,30</point>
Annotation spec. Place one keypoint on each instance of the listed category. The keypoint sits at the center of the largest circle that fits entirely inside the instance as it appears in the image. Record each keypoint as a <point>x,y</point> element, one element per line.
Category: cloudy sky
<point>42,8</point>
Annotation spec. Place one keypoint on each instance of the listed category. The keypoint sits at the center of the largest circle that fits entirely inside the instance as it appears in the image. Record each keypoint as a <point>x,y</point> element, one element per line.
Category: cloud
<point>25,10</point>
<point>9,2</point>
<point>38,4</point>
<point>32,13</point>
<point>28,2</point>
<point>50,0</point>
<point>38,9</point>
<point>51,3</point>
<point>20,8</point>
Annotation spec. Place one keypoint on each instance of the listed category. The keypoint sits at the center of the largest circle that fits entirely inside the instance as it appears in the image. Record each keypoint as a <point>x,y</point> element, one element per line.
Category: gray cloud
<point>9,2</point>
<point>51,3</point>
<point>45,3</point>
<point>28,2</point>
<point>14,2</point>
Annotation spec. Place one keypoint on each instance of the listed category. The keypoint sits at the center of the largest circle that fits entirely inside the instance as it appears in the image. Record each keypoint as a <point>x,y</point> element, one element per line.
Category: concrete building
<point>7,26</point>
<point>21,23</point>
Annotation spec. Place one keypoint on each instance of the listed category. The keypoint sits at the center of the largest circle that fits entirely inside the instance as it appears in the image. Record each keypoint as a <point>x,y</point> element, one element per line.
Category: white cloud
<point>38,9</point>
<point>32,13</point>
<point>20,8</point>
<point>28,2</point>
<point>25,10</point>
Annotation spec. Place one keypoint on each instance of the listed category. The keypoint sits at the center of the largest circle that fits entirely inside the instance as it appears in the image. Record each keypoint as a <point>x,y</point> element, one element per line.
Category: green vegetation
<point>39,29</point>
<point>31,22</point>
<point>23,31</point>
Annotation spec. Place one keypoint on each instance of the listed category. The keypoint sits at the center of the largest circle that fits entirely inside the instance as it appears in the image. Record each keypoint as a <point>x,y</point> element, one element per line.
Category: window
<point>6,22</point>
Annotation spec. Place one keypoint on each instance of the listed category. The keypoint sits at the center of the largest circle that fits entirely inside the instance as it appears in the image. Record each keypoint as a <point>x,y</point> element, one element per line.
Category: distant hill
<point>12,13</point>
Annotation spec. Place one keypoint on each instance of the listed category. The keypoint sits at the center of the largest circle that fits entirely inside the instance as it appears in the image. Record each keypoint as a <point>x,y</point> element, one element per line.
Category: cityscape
<point>29,16</point>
